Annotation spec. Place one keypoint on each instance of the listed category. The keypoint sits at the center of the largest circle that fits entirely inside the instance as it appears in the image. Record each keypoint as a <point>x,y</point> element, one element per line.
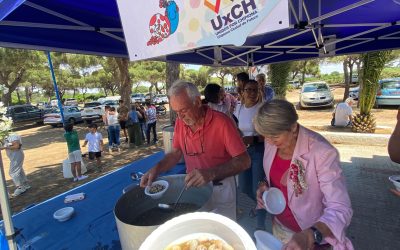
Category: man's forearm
<point>169,161</point>
<point>394,144</point>
<point>234,166</point>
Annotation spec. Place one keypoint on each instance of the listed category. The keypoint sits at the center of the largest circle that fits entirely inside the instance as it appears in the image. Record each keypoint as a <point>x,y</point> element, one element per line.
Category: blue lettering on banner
<point>237,11</point>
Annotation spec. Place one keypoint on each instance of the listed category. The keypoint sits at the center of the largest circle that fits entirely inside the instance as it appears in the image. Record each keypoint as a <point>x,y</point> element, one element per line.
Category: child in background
<point>74,152</point>
<point>95,141</point>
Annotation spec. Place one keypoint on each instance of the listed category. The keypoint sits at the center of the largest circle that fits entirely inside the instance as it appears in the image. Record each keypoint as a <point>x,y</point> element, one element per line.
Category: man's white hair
<point>180,85</point>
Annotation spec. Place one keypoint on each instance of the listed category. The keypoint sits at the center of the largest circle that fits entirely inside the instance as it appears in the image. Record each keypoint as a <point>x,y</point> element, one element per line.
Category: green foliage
<point>332,78</point>
<point>373,64</point>
<point>390,73</point>
<point>140,89</point>
<point>279,72</point>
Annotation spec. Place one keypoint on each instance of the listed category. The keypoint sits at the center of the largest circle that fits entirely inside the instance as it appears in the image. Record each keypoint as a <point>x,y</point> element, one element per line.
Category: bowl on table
<point>200,227</point>
<point>157,189</point>
<point>274,200</point>
<point>395,179</point>
<point>266,241</point>
<point>63,214</point>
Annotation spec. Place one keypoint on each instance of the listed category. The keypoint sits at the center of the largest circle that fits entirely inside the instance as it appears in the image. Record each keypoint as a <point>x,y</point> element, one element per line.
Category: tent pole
<point>60,106</point>
<point>5,209</point>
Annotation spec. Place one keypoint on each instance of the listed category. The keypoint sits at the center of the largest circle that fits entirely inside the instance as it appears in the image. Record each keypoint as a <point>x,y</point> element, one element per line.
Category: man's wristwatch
<point>317,236</point>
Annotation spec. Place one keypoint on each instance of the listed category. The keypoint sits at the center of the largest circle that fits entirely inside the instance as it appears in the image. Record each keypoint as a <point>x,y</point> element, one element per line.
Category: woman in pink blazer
<point>306,168</point>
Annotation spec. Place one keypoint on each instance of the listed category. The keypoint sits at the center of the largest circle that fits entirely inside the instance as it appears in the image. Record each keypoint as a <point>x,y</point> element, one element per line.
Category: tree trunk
<point>19,97</point>
<point>279,74</point>
<point>346,78</point>
<point>73,94</point>
<point>374,63</point>
<point>303,72</point>
<point>125,80</point>
<point>27,96</point>
<point>105,91</point>
<point>172,72</point>
<point>7,99</point>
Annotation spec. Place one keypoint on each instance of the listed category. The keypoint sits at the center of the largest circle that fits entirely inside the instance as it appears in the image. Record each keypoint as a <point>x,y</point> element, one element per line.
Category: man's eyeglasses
<point>202,145</point>
<point>249,90</point>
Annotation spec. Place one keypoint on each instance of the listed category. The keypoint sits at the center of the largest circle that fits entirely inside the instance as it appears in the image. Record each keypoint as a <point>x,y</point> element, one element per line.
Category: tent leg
<point>60,106</point>
<point>5,209</point>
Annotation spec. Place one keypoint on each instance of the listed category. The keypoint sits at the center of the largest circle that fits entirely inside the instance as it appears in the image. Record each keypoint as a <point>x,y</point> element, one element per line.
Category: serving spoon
<point>169,207</point>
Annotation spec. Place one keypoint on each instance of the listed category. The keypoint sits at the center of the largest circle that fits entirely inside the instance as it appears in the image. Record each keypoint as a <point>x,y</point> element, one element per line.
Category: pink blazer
<point>326,198</point>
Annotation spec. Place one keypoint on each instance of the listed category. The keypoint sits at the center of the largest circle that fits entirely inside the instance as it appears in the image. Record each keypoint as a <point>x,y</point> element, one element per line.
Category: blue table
<point>93,224</point>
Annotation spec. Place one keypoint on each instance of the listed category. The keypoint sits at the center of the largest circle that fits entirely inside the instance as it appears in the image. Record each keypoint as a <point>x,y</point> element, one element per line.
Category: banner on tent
<point>155,28</point>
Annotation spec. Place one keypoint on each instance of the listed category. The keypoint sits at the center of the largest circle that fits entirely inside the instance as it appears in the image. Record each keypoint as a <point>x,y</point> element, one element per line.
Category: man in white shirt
<point>342,114</point>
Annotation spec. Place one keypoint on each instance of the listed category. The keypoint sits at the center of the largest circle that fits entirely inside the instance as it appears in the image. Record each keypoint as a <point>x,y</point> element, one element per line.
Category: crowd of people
<point>260,141</point>
<point>250,144</point>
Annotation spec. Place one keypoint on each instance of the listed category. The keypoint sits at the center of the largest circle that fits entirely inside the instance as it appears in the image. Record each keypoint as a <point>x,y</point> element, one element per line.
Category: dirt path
<point>45,149</point>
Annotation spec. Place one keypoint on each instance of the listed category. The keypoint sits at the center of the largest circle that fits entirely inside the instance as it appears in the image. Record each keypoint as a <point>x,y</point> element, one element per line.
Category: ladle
<point>169,207</point>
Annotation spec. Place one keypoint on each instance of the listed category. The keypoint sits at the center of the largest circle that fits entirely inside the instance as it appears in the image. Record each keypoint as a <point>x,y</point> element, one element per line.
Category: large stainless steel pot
<point>134,202</point>
<point>168,136</point>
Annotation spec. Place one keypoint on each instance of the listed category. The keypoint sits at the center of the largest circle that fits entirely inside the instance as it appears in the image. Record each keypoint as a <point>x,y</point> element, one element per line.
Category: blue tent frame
<point>317,29</point>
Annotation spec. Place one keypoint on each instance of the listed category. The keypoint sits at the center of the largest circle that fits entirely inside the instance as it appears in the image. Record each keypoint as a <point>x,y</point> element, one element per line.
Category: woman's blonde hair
<point>275,117</point>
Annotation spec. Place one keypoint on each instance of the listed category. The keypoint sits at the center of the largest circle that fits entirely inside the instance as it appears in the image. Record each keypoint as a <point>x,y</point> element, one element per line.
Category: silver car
<point>316,94</point>
<point>71,115</point>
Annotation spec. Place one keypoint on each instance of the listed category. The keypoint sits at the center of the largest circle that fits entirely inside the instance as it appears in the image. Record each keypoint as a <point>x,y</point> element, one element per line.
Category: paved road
<point>376,219</point>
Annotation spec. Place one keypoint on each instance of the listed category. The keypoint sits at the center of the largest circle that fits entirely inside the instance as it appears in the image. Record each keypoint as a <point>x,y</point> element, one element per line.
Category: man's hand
<point>148,178</point>
<point>303,240</point>
<point>199,177</point>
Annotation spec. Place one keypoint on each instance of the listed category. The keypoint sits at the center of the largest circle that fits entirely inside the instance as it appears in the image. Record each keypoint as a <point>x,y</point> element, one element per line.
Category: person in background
<point>105,122</point>
<point>134,132</point>
<point>95,141</point>
<point>123,117</point>
<point>249,179</point>
<point>211,145</point>
<point>241,78</point>
<point>13,147</point>
<point>214,96</point>
<point>394,141</point>
<point>74,152</point>
<point>341,116</point>
<point>151,120</point>
<point>142,119</point>
<point>267,92</point>
<point>114,129</point>
<point>230,99</point>
<point>306,168</point>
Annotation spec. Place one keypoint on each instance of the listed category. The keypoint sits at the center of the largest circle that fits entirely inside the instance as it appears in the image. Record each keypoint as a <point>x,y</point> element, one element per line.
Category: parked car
<point>160,99</point>
<point>71,115</point>
<point>138,97</point>
<point>353,92</point>
<point>388,92</point>
<point>23,114</point>
<point>295,84</point>
<point>92,111</point>
<point>354,78</point>
<point>316,94</point>
<point>111,103</point>
<point>71,102</point>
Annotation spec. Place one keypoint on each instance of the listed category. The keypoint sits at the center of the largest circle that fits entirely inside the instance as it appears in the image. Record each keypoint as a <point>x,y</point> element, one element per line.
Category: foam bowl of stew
<point>199,230</point>
<point>157,189</point>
